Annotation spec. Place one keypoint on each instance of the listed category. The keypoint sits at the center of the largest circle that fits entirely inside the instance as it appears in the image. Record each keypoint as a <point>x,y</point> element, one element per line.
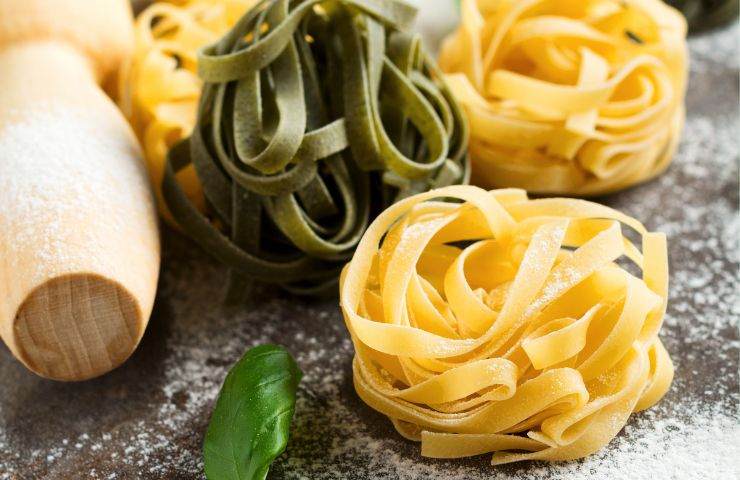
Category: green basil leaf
<point>251,422</point>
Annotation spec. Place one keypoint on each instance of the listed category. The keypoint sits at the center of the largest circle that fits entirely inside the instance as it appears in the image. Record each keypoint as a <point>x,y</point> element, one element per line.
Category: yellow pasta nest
<point>578,97</point>
<point>160,88</point>
<point>504,324</point>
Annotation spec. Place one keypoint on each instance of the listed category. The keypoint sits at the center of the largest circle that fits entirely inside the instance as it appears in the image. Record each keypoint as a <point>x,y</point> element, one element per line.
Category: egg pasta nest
<point>314,116</point>
<point>578,97</point>
<point>507,325</point>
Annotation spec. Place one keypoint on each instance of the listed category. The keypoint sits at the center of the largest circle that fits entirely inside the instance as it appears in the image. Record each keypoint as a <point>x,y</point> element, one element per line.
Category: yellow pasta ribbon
<point>577,97</point>
<point>489,322</point>
<point>160,88</point>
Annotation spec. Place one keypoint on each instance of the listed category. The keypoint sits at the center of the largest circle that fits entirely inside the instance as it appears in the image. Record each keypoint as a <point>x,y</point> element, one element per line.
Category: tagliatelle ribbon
<point>507,325</point>
<point>159,89</point>
<point>579,97</point>
<point>314,117</point>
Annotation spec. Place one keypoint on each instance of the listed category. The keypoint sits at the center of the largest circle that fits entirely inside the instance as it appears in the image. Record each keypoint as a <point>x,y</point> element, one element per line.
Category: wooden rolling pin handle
<point>79,241</point>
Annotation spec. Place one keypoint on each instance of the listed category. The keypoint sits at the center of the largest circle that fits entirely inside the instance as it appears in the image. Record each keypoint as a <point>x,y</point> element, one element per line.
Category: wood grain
<point>77,326</point>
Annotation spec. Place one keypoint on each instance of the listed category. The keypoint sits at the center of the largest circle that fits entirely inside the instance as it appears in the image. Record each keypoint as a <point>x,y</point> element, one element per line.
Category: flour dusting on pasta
<point>504,324</point>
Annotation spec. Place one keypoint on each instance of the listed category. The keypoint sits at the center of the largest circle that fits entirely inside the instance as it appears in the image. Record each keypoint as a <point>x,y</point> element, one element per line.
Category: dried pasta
<point>160,88</point>
<point>577,97</point>
<point>506,325</point>
<point>314,117</point>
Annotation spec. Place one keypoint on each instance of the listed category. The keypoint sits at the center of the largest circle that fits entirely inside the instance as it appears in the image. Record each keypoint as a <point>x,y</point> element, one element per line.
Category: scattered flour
<point>691,434</point>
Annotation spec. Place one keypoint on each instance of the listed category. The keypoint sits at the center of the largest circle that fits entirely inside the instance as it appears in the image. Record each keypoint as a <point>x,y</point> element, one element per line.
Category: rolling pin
<point>79,240</point>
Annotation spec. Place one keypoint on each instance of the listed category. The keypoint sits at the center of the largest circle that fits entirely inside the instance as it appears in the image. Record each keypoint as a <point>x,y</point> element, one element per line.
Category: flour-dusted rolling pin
<point>79,242</point>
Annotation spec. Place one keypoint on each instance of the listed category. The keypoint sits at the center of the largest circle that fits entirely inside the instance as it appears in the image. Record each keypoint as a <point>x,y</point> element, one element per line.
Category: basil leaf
<point>251,422</point>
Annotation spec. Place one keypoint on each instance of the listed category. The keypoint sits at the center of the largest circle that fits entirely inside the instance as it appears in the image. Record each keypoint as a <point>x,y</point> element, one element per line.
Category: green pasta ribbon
<point>705,14</point>
<point>314,117</point>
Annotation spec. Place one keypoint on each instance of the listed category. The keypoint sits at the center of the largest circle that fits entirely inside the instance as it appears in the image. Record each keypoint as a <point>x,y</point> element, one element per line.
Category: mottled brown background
<point>147,419</point>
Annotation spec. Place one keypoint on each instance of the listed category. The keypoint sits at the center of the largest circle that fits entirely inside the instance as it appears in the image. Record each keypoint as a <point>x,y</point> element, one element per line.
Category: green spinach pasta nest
<point>706,14</point>
<point>314,116</point>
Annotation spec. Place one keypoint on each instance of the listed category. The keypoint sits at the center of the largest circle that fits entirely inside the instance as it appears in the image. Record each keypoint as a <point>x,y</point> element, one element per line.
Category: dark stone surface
<point>147,419</point>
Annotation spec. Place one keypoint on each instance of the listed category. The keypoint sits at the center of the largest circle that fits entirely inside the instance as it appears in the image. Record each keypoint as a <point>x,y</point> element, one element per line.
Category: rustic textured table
<point>147,419</point>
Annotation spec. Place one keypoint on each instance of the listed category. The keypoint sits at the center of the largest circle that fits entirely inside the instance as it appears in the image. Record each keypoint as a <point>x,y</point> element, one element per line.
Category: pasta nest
<point>569,96</point>
<point>159,88</point>
<point>314,116</point>
<point>503,324</point>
